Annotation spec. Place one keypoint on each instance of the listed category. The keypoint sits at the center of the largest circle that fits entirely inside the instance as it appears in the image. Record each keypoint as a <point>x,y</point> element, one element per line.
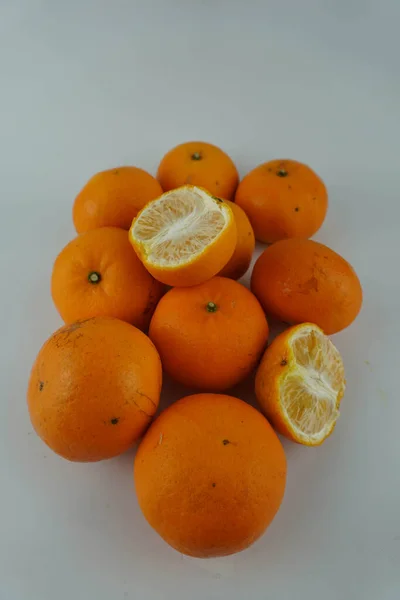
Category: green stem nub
<point>211,307</point>
<point>94,277</point>
<point>196,156</point>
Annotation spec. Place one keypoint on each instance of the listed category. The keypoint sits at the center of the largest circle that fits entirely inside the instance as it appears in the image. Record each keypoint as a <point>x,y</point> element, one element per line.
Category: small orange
<point>198,163</point>
<point>210,475</point>
<point>301,281</point>
<point>98,274</point>
<point>184,237</point>
<point>113,198</point>
<point>209,336</point>
<point>283,199</point>
<point>94,388</point>
<point>300,383</point>
<point>245,244</point>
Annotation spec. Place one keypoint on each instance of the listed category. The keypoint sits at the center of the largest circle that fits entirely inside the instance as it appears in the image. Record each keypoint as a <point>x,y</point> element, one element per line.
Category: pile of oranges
<point>149,286</point>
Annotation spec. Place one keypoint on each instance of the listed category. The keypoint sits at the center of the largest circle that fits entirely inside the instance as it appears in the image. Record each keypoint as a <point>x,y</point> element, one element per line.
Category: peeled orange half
<point>300,383</point>
<point>185,237</point>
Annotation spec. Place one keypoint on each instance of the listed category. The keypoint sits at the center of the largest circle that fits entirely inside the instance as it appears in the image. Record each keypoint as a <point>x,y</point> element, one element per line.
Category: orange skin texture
<point>213,170</point>
<point>210,475</point>
<point>273,364</point>
<point>281,207</point>
<point>276,360</point>
<point>209,350</point>
<point>301,281</point>
<point>94,388</point>
<point>113,198</point>
<point>125,291</point>
<point>245,244</point>
<point>203,266</point>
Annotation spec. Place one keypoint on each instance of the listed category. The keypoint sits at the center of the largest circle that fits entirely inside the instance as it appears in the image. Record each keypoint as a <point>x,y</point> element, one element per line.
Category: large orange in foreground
<point>94,388</point>
<point>210,475</point>
<point>201,164</point>
<point>301,281</point>
<point>113,198</point>
<point>283,199</point>
<point>209,336</point>
<point>99,275</point>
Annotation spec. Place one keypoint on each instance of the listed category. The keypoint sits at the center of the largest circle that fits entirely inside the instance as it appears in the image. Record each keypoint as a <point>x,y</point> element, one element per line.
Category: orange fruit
<point>94,388</point>
<point>210,475</point>
<point>300,383</point>
<point>198,163</point>
<point>184,237</point>
<point>283,199</point>
<point>210,336</point>
<point>113,198</point>
<point>98,274</point>
<point>301,280</point>
<point>245,244</point>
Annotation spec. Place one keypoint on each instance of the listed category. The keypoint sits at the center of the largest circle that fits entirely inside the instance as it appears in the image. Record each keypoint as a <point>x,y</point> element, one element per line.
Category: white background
<point>87,85</point>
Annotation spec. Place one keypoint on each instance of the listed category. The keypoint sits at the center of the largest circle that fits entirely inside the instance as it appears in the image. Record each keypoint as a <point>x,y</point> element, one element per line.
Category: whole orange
<point>210,475</point>
<point>113,198</point>
<point>245,244</point>
<point>209,336</point>
<point>94,388</point>
<point>202,164</point>
<point>283,199</point>
<point>301,281</point>
<point>98,274</point>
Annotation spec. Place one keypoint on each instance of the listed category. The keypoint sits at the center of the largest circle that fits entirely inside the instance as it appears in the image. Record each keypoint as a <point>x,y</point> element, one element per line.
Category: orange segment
<point>300,383</point>
<point>185,237</point>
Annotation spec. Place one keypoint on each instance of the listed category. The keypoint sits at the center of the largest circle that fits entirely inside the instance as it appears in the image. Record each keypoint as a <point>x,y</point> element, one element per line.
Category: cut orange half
<point>300,383</point>
<point>185,237</point>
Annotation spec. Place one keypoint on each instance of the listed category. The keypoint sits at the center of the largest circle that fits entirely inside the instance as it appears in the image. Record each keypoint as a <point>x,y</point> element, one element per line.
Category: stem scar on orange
<point>202,164</point>
<point>209,336</point>
<point>98,274</point>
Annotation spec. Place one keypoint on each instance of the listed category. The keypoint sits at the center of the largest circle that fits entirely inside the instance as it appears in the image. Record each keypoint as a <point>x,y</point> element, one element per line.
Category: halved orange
<point>300,383</point>
<point>184,237</point>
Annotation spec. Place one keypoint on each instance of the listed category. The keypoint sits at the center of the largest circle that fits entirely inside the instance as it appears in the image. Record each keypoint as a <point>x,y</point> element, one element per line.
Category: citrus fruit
<point>283,199</point>
<point>300,383</point>
<point>94,388</point>
<point>113,198</point>
<point>242,255</point>
<point>210,475</point>
<point>198,163</point>
<point>301,280</point>
<point>209,336</point>
<point>98,274</point>
<point>184,237</point>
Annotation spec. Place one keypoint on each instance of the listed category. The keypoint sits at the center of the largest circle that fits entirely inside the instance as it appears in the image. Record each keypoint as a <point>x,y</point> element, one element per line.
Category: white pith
<point>177,227</point>
<point>315,379</point>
